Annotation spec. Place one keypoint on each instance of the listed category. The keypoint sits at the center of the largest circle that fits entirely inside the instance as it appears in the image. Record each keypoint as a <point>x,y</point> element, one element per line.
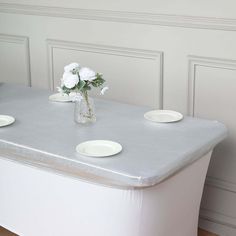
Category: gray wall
<point>178,55</point>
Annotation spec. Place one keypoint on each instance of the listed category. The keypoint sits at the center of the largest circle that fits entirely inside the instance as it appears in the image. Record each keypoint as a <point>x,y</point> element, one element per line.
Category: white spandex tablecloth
<point>152,188</point>
<point>45,135</point>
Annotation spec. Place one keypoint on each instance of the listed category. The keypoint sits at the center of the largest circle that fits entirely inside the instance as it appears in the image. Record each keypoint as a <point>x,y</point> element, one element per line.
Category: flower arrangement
<point>76,82</point>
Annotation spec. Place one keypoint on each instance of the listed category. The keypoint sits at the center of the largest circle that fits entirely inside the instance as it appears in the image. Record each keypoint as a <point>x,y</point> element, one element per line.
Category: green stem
<point>87,103</point>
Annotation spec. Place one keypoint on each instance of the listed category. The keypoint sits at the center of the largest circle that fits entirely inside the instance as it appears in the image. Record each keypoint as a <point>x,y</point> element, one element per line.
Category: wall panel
<point>14,59</point>
<point>114,63</point>
<point>212,83</point>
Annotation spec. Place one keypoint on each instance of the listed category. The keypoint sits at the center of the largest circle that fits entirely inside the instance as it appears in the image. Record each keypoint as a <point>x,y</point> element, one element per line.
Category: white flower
<point>71,67</point>
<point>104,90</point>
<point>87,74</point>
<point>70,80</point>
<point>65,75</point>
<point>75,96</point>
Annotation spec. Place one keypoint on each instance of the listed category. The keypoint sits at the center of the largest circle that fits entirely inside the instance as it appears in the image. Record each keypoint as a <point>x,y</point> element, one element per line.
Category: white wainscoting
<point>15,59</point>
<point>113,62</point>
<point>154,53</point>
<point>121,16</point>
<point>212,83</point>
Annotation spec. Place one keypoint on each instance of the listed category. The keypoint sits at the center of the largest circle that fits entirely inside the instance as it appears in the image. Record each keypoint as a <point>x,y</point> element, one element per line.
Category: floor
<point>4,232</point>
<point>202,232</point>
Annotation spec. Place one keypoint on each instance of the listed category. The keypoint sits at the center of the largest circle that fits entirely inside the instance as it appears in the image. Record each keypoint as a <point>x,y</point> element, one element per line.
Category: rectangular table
<point>125,186</point>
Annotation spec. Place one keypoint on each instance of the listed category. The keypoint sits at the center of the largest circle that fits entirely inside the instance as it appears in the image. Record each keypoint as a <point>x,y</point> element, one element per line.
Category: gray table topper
<point>45,135</point>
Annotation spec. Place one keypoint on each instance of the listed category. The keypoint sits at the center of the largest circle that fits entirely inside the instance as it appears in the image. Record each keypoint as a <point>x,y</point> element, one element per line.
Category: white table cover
<point>45,135</point>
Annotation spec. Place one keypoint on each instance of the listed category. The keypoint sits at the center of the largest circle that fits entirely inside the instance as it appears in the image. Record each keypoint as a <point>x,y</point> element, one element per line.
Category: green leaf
<point>81,84</point>
<point>86,87</point>
<point>66,90</point>
<point>99,81</point>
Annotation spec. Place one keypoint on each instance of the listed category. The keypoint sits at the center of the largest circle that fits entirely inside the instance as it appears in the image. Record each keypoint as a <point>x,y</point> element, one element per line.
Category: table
<point>38,157</point>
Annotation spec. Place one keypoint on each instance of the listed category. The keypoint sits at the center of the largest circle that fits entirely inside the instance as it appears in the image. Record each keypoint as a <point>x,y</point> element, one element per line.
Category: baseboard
<point>216,228</point>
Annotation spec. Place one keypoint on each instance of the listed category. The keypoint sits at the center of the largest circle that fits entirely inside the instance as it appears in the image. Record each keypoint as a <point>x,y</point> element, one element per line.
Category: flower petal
<point>70,80</point>
<point>104,90</point>
<point>86,73</point>
<point>75,96</point>
<point>71,67</point>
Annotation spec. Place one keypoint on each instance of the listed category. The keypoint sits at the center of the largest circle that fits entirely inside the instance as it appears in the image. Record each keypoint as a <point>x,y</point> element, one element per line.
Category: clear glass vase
<point>84,110</point>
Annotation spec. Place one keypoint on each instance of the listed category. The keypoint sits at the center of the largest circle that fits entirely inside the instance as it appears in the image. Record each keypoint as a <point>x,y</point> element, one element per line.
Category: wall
<point>174,54</point>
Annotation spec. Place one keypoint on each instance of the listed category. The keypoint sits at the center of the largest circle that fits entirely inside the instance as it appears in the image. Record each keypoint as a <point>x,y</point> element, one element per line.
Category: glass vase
<point>84,110</point>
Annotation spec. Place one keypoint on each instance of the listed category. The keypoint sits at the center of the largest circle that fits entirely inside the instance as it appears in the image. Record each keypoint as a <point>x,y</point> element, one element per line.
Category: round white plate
<point>98,148</point>
<point>163,116</point>
<point>6,120</point>
<point>58,97</point>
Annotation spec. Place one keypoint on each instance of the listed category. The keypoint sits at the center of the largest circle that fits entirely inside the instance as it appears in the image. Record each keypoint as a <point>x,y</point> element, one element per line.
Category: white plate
<point>58,97</point>
<point>6,120</point>
<point>99,148</point>
<point>163,116</point>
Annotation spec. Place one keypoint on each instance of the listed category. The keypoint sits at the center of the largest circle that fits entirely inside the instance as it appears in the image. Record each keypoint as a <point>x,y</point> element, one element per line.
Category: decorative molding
<point>22,40</point>
<point>104,49</point>
<point>193,63</point>
<point>221,184</point>
<point>122,16</point>
<point>218,218</point>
